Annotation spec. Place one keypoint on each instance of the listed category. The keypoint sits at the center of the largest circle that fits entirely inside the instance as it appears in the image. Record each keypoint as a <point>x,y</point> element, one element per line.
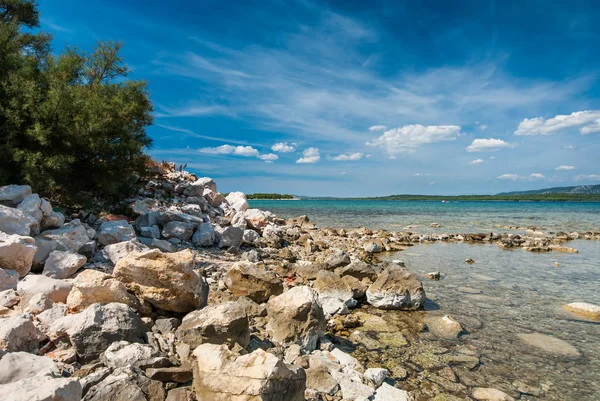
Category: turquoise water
<point>453,216</point>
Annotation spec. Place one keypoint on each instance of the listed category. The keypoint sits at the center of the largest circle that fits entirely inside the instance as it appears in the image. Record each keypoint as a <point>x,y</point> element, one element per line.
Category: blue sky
<point>348,98</point>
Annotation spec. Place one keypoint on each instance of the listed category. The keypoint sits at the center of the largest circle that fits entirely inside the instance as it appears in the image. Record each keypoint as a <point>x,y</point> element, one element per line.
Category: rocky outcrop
<point>166,280</point>
<point>296,316</point>
<point>216,324</point>
<point>396,288</point>
<point>16,253</point>
<point>252,281</point>
<point>222,375</point>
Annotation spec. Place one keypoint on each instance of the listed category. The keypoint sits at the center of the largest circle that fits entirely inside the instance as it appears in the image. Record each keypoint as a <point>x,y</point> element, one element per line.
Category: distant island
<point>581,193</point>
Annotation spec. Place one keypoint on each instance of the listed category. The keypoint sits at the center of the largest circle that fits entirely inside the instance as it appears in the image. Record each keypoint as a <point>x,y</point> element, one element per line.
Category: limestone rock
<point>15,221</point>
<point>12,195</point>
<point>37,304</point>
<point>150,232</point>
<point>8,279</point>
<point>396,288</point>
<point>215,199</point>
<point>179,229</point>
<point>116,252</point>
<point>444,326</point>
<point>390,393</point>
<point>53,220</point>
<point>160,244</point>
<point>221,375</point>
<point>121,354</point>
<point>93,286</point>
<point>9,298</point>
<point>94,329</point>
<point>225,323</point>
<point>296,316</point>
<point>112,232</point>
<point>67,238</point>
<point>18,333</point>
<point>338,259</point>
<point>63,264</point>
<point>238,201</point>
<point>250,237</point>
<point>585,310</point>
<point>549,344</point>
<point>230,236</point>
<point>31,207</point>
<point>56,290</point>
<point>376,375</point>
<point>16,253</point>
<point>44,388</point>
<point>175,374</point>
<point>257,219</point>
<point>16,366</point>
<point>126,383</point>
<point>205,235</point>
<point>166,280</point>
<point>197,187</point>
<point>257,283</point>
<point>335,295</point>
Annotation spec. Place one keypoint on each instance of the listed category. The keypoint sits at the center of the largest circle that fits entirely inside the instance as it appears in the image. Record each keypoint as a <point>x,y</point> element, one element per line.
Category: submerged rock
<point>549,344</point>
<point>585,310</point>
<point>490,394</point>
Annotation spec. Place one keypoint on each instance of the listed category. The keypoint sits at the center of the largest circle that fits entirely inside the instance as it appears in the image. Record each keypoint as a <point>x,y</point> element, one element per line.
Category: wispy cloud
<point>344,157</point>
<point>476,162</point>
<point>187,132</point>
<point>193,110</point>
<point>591,177</point>
<point>377,128</point>
<point>53,26</point>
<point>488,145</point>
<point>509,177</point>
<point>409,138</point>
<point>231,150</point>
<point>536,176</point>
<point>564,168</point>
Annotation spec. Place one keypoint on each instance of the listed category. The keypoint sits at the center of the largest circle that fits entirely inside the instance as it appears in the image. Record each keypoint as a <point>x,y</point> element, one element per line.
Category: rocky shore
<point>193,295</point>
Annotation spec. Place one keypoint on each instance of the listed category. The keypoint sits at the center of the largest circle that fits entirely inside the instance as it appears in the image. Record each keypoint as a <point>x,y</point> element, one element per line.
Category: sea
<point>507,293</point>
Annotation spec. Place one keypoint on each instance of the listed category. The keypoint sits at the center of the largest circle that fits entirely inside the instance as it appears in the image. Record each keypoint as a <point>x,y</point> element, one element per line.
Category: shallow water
<point>452,216</point>
<point>520,292</point>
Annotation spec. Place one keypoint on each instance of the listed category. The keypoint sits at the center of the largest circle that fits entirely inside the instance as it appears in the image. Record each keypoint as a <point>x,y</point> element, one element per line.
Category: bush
<point>71,125</point>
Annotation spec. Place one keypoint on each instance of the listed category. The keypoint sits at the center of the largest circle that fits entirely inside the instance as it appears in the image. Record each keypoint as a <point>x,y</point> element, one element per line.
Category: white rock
<point>92,286</point>
<point>197,187</point>
<point>250,237</point>
<point>116,252</point>
<point>70,237</point>
<point>121,353</point>
<point>390,393</point>
<point>54,220</point>
<point>14,194</point>
<point>351,385</point>
<point>18,333</point>
<point>112,232</point>
<point>179,229</point>
<point>490,394</point>
<point>205,235</point>
<point>31,207</point>
<point>8,279</point>
<point>9,298</point>
<point>238,201</point>
<point>63,264</point>
<point>44,388</point>
<point>16,253</point>
<point>230,236</point>
<point>347,360</point>
<point>46,208</point>
<point>16,366</point>
<point>56,290</point>
<point>47,317</point>
<point>37,304</point>
<point>15,221</point>
<point>376,375</point>
<point>585,310</point>
<point>44,247</point>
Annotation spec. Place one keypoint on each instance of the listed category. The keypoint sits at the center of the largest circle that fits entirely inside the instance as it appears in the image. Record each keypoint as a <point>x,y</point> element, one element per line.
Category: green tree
<point>71,125</point>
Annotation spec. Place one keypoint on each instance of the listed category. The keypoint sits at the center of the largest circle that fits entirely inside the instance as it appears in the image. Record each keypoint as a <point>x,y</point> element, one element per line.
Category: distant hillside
<point>580,190</point>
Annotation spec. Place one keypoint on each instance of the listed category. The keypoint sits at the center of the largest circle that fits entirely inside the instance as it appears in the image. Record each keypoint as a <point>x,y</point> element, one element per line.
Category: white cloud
<point>563,167</point>
<point>509,177</point>
<point>408,138</point>
<point>488,145</point>
<point>377,128</point>
<point>269,157</point>
<point>421,175</point>
<point>283,147</point>
<point>589,120</point>
<point>347,157</point>
<point>594,177</point>
<point>310,155</point>
<point>476,162</point>
<point>231,150</point>
<point>536,176</point>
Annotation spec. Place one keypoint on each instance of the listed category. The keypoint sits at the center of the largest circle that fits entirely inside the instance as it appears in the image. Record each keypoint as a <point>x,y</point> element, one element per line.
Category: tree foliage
<point>70,124</point>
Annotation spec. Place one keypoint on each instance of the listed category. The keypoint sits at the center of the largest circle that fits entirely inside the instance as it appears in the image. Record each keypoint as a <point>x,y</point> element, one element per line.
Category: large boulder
<point>396,288</point>
<point>18,333</point>
<point>63,264</point>
<point>223,375</point>
<point>179,229</point>
<point>358,269</point>
<point>249,280</point>
<point>166,280</point>
<point>8,280</point>
<point>31,207</point>
<point>93,330</point>
<point>258,219</point>
<point>16,366</point>
<point>70,237</point>
<point>230,236</point>
<point>93,286</point>
<point>296,317</point>
<point>112,232</point>
<point>121,353</point>
<point>12,195</point>
<point>197,187</point>
<point>225,323</point>
<point>215,199</point>
<point>43,388</point>
<point>16,253</point>
<point>116,252</point>
<point>55,289</point>
<point>126,383</point>
<point>335,295</point>
<point>390,393</point>
<point>15,221</point>
<point>338,259</point>
<point>238,201</point>
<point>205,235</point>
